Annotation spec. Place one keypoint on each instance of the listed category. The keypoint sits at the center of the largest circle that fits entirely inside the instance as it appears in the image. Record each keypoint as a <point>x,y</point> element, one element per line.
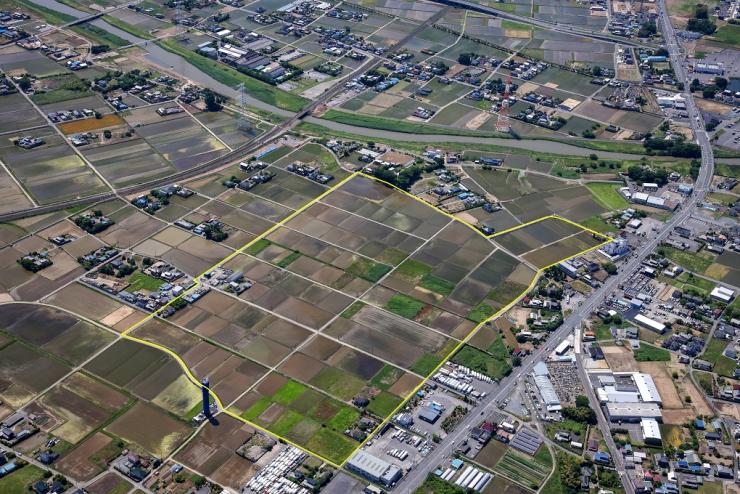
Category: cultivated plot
<point>355,298</point>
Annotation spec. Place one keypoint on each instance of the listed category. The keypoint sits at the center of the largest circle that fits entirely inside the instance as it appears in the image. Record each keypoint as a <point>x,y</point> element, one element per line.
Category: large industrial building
<point>627,387</point>
<point>544,386</point>
<point>631,397</point>
<point>632,412</point>
<point>374,469</point>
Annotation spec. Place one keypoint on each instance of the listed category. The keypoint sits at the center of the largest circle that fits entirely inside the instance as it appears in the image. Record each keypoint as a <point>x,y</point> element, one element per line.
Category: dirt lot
<point>620,359</point>
<point>109,483</point>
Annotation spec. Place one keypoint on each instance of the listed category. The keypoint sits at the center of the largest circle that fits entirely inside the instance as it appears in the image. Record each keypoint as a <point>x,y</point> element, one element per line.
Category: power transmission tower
<point>243,123</point>
<point>502,124</point>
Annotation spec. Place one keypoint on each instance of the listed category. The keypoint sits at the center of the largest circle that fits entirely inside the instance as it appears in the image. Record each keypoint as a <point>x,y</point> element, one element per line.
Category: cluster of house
<point>68,115</point>
<point>134,466</point>
<point>261,177</point>
<point>310,171</point>
<point>346,15</point>
<point>628,23</point>
<point>55,485</point>
<point>98,256</point>
<point>339,42</point>
<point>540,118</point>
<point>8,30</point>
<point>539,99</point>
<point>624,98</point>
<point>29,142</point>
<point>158,198</point>
<point>228,280</point>
<point>82,139</point>
<point>93,222</point>
<point>525,70</point>
<point>35,261</point>
<point>686,345</point>
<point>329,68</point>
<point>16,428</point>
<point>686,469</point>
<point>6,86</point>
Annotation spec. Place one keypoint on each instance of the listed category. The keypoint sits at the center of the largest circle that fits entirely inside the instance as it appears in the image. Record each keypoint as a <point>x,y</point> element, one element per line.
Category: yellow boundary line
<point>188,373</point>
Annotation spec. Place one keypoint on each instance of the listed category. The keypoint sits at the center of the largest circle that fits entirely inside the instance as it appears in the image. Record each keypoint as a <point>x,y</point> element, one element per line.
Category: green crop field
<point>494,366</point>
<point>404,306</point>
<point>729,34</point>
<point>698,263</point>
<point>141,281</point>
<point>650,353</point>
<point>607,194</point>
<point>19,481</point>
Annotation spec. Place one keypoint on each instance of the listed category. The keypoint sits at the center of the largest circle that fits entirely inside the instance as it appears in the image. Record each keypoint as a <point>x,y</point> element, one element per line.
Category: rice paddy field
<point>549,241</point>
<point>301,414</point>
<point>17,61</point>
<point>25,372</point>
<point>212,451</point>
<point>51,172</point>
<point>180,141</point>
<point>16,109</point>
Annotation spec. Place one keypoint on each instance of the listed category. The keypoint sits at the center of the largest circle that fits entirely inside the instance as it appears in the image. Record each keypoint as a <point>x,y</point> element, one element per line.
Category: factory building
<point>374,469</point>
<point>722,294</point>
<point>632,412</point>
<point>545,387</point>
<point>630,397</point>
<point>646,387</point>
<point>627,387</point>
<point>651,324</point>
<point>651,432</point>
<point>709,68</point>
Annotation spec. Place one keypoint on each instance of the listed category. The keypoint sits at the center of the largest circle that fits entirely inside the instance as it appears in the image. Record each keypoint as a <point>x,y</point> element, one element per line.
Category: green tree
<point>213,102</point>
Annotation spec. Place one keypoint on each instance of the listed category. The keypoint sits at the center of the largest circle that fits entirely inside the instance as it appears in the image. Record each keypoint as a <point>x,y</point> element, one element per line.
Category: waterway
<point>165,59</point>
<point>176,63</point>
<point>538,145</point>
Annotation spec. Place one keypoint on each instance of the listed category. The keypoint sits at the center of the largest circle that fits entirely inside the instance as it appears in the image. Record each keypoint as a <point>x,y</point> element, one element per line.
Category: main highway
<point>508,386</point>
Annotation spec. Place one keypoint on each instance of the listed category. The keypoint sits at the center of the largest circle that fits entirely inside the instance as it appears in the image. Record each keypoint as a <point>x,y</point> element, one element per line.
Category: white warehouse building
<point>651,431</point>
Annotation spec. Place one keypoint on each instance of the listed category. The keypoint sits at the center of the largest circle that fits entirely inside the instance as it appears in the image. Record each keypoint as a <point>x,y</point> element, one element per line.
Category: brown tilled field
<point>90,124</point>
<point>77,464</point>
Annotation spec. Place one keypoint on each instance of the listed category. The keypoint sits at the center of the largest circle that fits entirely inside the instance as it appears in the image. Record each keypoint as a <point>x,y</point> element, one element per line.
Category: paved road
<point>703,182</point>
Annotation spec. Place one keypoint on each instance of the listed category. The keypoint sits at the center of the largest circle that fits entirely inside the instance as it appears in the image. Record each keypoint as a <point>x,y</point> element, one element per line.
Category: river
<point>166,59</point>
<point>538,145</point>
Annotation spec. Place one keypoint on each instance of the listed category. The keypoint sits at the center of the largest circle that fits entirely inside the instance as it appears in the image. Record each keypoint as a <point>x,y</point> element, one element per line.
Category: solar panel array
<point>527,441</point>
